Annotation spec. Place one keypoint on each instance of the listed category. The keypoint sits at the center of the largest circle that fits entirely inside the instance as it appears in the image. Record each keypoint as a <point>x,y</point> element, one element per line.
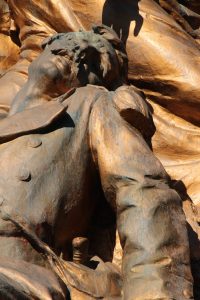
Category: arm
<point>150,220</point>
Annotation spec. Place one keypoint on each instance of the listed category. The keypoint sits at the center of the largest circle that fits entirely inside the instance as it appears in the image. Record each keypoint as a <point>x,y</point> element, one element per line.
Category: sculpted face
<point>75,59</point>
<point>50,74</point>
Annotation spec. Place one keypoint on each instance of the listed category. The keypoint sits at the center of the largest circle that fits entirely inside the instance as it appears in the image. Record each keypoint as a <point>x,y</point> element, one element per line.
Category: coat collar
<point>33,119</point>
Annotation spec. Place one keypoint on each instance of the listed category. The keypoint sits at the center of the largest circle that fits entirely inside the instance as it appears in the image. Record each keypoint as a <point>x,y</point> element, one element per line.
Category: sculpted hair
<point>111,36</point>
<point>100,49</point>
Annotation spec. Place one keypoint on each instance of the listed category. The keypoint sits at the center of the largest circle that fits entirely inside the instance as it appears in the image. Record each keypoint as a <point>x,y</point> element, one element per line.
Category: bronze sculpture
<point>170,80</point>
<point>77,149</point>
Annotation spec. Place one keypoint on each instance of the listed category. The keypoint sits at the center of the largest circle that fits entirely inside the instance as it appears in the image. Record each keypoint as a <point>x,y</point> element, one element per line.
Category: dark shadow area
<point>194,242</point>
<point>195,263</point>
<point>14,35</point>
<point>102,229</point>
<point>191,4</point>
<point>119,15</point>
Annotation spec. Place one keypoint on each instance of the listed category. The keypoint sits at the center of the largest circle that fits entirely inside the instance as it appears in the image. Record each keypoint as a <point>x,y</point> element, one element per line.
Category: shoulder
<point>88,94</point>
<point>129,104</point>
<point>92,90</point>
<point>129,97</point>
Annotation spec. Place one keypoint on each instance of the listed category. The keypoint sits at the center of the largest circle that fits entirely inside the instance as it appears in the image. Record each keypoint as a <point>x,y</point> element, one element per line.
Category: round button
<point>24,175</point>
<point>34,142</point>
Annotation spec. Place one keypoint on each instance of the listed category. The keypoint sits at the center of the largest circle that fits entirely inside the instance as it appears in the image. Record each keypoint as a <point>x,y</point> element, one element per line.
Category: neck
<point>28,97</point>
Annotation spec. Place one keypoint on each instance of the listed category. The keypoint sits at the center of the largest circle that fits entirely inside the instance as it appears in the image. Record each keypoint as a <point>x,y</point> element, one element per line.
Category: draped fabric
<point>8,49</point>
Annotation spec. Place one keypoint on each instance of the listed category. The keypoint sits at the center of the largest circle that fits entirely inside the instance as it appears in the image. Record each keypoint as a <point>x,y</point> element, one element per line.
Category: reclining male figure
<point>62,151</point>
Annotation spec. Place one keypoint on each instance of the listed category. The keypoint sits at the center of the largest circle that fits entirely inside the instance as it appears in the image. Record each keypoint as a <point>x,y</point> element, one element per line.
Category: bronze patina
<point>76,149</point>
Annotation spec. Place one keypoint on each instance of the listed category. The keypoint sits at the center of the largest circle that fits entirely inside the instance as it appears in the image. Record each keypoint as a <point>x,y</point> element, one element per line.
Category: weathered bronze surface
<point>65,152</point>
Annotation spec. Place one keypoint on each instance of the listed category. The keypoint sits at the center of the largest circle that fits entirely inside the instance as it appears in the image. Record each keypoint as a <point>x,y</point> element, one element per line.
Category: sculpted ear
<point>111,36</point>
<point>108,33</point>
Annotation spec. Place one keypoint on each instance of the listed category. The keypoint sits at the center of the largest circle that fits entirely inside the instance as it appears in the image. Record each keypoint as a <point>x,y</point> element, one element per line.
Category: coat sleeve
<point>150,220</point>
